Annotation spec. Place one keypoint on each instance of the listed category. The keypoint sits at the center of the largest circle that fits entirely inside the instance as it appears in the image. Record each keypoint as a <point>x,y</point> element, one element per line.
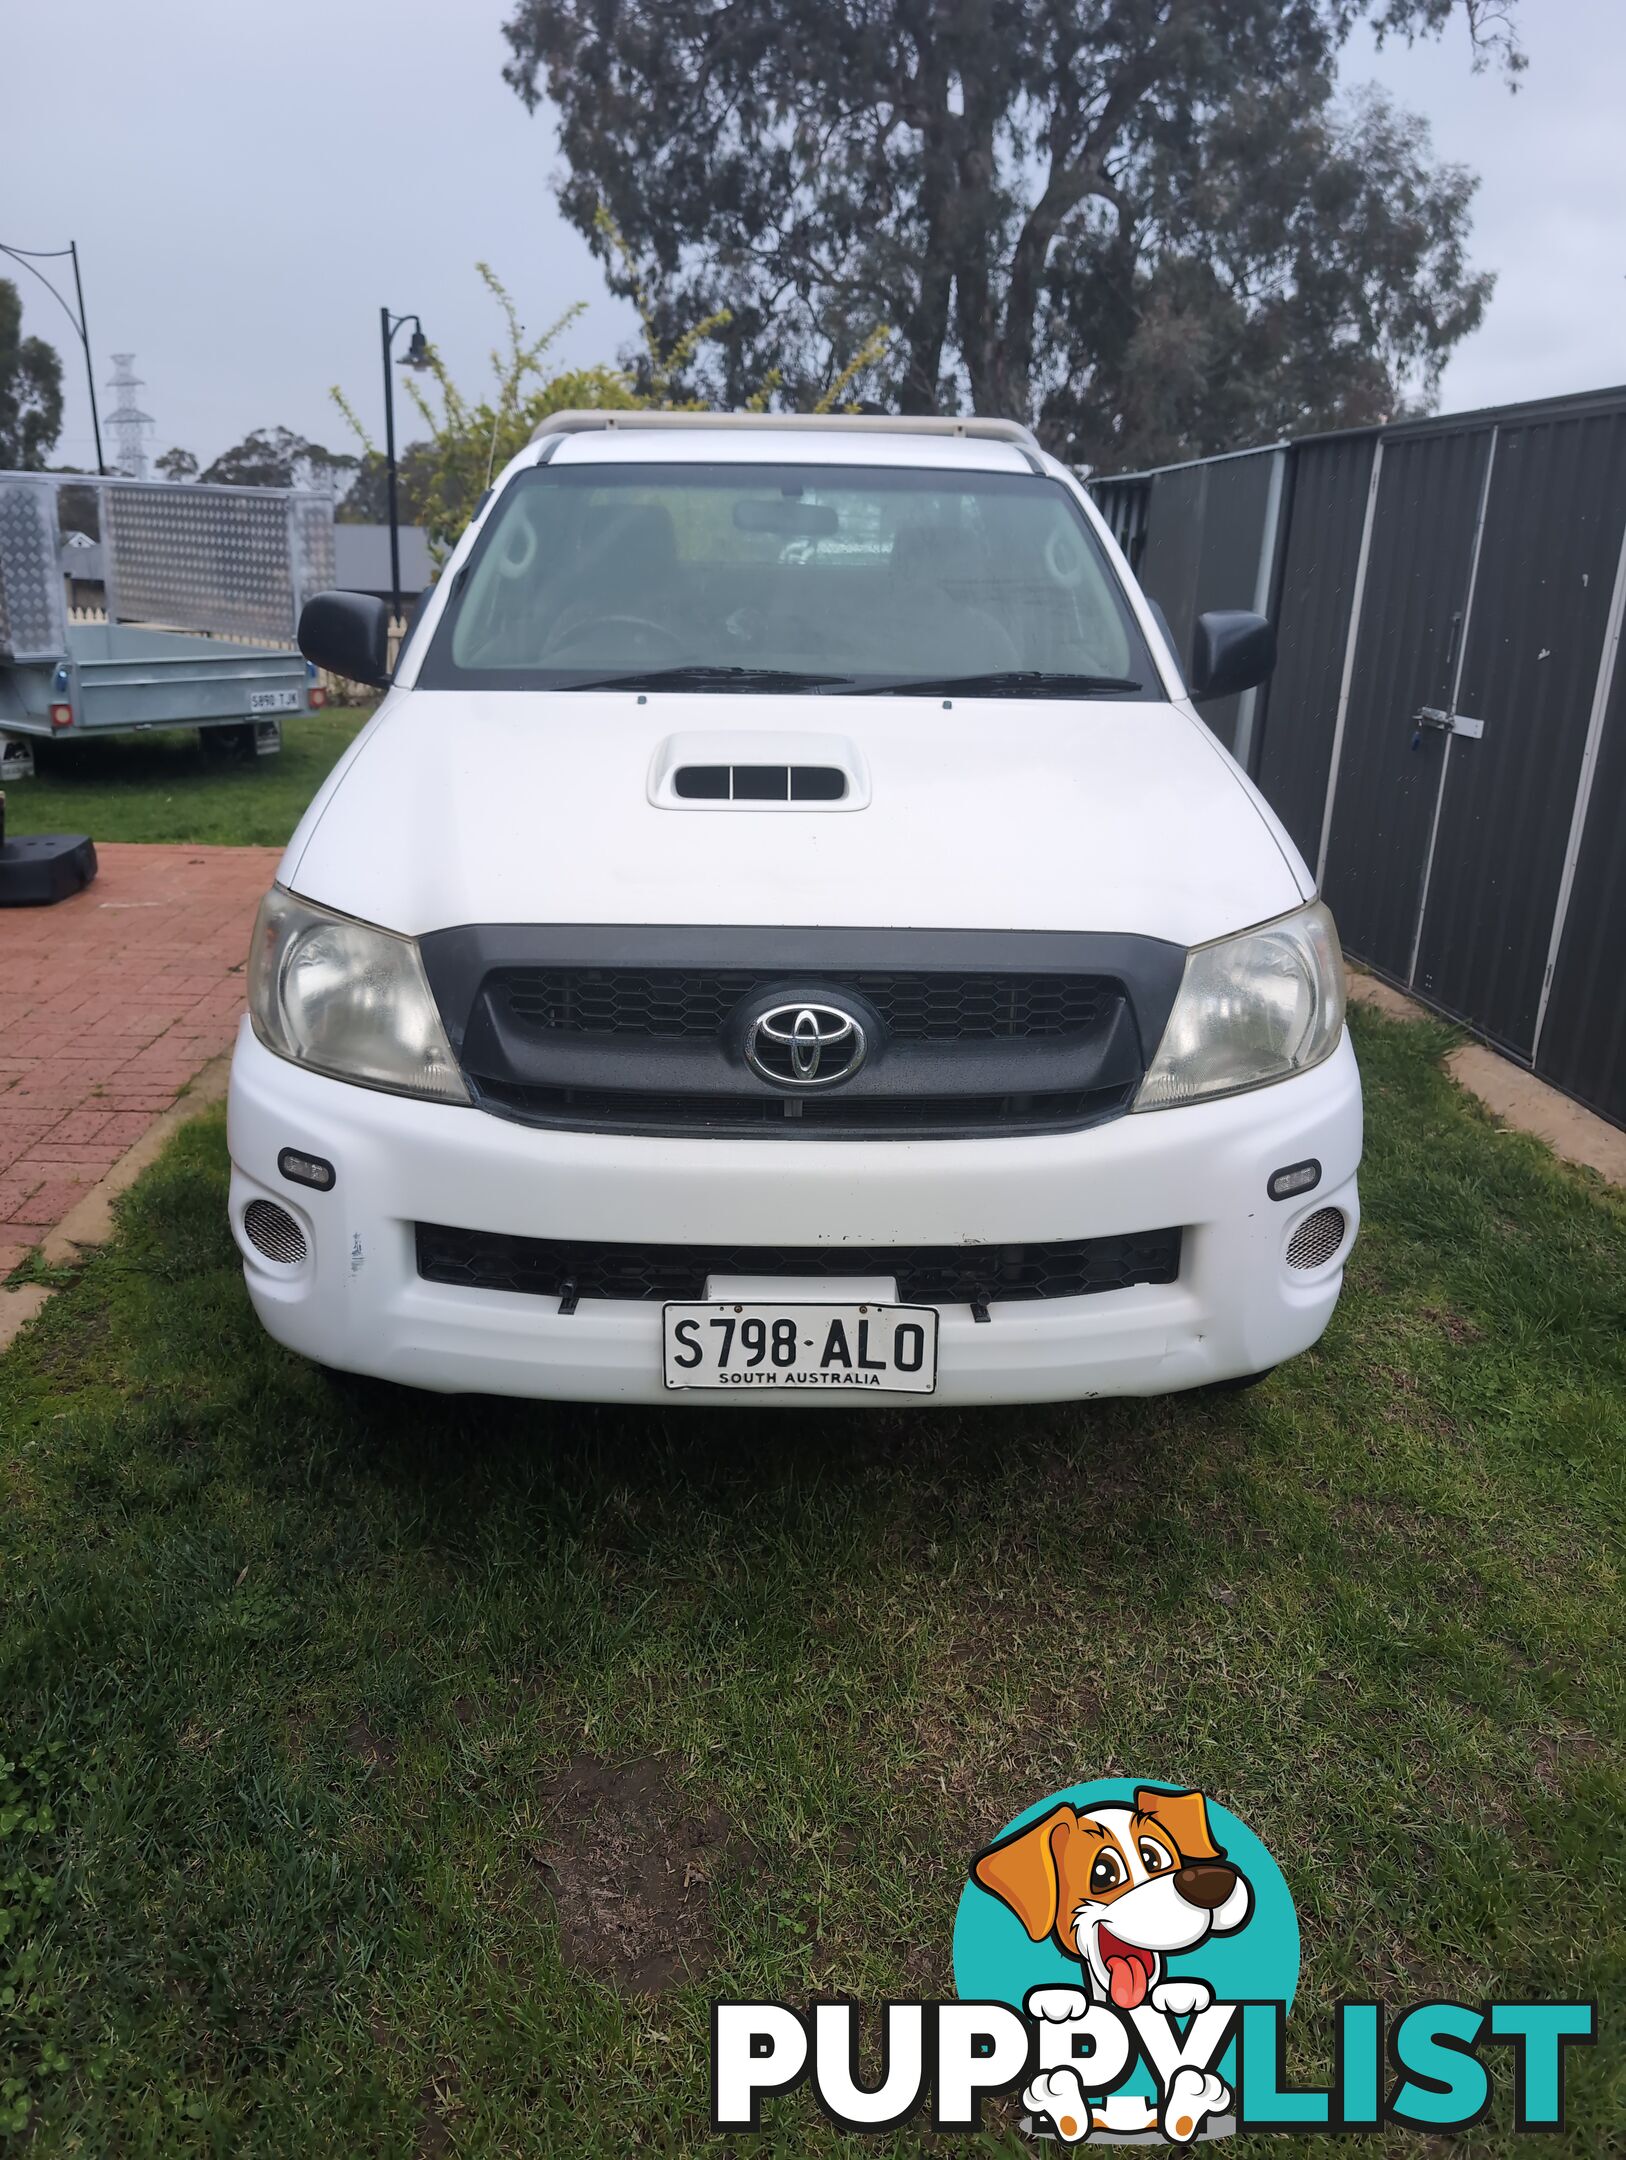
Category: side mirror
<point>348,633</point>
<point>1230,651</point>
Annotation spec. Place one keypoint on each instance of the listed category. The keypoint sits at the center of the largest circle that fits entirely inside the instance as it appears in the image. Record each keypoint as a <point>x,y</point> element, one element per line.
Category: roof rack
<point>975,424</point>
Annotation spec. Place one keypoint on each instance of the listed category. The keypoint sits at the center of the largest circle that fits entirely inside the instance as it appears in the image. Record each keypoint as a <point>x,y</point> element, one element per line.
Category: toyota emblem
<point>805,1045</point>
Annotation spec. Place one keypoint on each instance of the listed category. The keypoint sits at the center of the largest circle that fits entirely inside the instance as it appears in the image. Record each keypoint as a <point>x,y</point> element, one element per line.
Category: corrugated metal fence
<point>1445,732</point>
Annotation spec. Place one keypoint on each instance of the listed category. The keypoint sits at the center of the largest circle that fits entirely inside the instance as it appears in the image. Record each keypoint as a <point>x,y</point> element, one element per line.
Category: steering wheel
<point>642,625</point>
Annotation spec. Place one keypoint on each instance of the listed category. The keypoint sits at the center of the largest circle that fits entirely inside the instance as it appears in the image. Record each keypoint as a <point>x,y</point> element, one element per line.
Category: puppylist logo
<point>1132,1917</point>
<point>1125,1957</point>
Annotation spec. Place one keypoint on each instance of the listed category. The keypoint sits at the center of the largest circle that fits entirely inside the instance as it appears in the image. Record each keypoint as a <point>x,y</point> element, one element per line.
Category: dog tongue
<point>1128,1979</point>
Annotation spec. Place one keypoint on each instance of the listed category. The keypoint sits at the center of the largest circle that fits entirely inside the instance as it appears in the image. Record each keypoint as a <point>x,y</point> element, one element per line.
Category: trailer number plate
<point>888,1348</point>
<point>274,701</point>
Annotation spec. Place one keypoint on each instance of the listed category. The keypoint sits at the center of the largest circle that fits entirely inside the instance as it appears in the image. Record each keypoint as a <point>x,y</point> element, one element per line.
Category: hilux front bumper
<point>357,1301</point>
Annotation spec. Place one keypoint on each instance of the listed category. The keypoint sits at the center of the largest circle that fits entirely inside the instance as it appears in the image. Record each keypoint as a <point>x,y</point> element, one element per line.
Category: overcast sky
<point>248,187</point>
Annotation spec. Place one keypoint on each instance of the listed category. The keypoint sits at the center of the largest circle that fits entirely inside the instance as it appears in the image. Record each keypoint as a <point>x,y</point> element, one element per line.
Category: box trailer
<point>202,592</point>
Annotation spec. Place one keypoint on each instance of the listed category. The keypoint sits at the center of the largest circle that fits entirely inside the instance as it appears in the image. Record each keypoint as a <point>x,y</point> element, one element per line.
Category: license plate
<point>828,1348</point>
<point>274,701</point>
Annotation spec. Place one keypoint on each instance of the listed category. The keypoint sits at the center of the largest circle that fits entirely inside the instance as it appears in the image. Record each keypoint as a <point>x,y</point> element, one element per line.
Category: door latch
<point>1443,723</point>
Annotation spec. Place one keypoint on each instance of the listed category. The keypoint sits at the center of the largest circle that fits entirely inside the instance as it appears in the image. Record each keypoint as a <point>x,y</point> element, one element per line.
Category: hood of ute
<point>535,807</point>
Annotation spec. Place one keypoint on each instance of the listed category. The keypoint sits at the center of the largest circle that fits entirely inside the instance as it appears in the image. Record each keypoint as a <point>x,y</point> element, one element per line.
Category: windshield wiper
<point>1014,682</point>
<point>706,677</point>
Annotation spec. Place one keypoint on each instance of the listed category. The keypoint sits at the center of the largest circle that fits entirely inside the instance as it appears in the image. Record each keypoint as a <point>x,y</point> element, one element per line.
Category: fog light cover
<point>274,1234</point>
<point>1316,1239</point>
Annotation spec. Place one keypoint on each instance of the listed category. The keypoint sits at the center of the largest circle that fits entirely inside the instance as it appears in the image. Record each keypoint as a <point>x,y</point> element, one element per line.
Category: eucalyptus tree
<point>1152,226</point>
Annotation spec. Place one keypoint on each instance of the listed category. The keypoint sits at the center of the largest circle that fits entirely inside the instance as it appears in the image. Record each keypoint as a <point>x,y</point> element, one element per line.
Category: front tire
<point>1239,1381</point>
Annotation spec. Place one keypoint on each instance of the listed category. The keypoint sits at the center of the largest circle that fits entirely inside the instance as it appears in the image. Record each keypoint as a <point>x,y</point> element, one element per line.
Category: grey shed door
<point>1412,618</point>
<point>1547,564</point>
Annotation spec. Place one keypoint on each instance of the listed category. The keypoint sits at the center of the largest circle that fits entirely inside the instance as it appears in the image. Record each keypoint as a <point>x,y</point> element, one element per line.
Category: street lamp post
<point>417,356</point>
<point>28,257</point>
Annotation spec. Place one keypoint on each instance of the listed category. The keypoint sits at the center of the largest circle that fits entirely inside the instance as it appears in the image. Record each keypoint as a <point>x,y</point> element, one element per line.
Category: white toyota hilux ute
<point>786,928</point>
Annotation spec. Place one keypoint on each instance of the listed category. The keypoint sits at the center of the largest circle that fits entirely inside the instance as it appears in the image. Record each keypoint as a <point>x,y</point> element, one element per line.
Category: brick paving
<point>109,1004</point>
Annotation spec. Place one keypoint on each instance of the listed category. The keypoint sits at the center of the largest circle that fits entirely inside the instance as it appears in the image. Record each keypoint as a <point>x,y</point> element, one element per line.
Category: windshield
<point>797,577</point>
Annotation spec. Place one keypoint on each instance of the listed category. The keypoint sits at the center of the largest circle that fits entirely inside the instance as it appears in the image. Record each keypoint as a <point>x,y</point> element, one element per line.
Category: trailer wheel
<point>228,742</point>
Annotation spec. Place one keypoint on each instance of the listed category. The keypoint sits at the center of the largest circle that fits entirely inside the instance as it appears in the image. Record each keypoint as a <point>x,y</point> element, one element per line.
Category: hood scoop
<point>759,783</point>
<point>758,770</point>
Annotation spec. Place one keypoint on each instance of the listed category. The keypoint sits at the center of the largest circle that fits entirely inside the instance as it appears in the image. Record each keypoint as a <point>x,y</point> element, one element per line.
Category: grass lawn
<point>164,786</point>
<point>309,1687</point>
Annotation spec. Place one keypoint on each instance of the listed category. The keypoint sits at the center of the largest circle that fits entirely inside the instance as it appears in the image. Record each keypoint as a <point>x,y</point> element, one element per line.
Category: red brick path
<point>109,1004</point>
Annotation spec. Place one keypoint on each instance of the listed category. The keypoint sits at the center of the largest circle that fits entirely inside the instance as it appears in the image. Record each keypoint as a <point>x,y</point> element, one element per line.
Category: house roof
<point>361,558</point>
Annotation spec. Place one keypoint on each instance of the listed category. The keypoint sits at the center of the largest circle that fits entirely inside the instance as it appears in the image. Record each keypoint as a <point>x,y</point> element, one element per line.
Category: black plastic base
<point>44,868</point>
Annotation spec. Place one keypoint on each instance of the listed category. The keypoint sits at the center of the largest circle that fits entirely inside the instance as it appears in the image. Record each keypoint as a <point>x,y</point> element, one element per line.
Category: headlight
<point>347,1000</point>
<point>1251,1009</point>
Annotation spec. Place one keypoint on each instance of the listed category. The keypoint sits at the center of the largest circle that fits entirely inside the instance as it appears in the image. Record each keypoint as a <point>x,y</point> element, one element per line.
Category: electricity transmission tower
<point>128,424</point>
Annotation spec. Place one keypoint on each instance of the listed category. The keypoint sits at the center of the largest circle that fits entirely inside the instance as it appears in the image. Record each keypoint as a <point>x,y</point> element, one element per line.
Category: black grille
<point>644,1029</point>
<point>787,1117</point>
<point>674,1002</point>
<point>925,1274</point>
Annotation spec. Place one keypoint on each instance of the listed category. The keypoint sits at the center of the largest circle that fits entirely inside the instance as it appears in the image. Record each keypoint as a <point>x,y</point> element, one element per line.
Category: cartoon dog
<point>1121,1889</point>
